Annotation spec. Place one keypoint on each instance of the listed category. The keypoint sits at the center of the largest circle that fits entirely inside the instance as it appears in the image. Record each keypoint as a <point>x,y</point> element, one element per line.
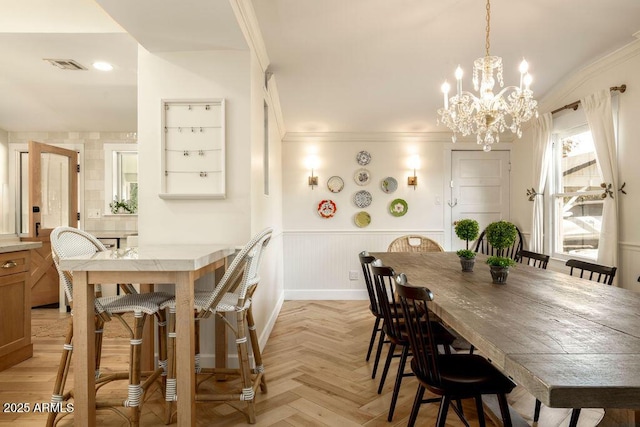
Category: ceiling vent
<point>65,64</point>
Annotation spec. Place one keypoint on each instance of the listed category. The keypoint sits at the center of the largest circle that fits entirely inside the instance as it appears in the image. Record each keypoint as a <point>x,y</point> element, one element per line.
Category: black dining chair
<point>450,376</point>
<point>596,272</point>
<point>374,308</point>
<point>483,246</point>
<point>533,259</point>
<point>395,329</point>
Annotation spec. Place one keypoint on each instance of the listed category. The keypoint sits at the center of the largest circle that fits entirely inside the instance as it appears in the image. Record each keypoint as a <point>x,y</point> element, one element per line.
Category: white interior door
<point>479,188</point>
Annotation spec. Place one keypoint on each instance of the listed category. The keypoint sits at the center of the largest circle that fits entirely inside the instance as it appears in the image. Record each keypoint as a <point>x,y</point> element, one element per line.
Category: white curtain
<point>541,155</point>
<point>597,108</point>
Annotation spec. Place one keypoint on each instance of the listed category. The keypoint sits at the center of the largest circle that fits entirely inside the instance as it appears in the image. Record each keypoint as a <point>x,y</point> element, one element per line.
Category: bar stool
<point>233,294</point>
<point>68,242</point>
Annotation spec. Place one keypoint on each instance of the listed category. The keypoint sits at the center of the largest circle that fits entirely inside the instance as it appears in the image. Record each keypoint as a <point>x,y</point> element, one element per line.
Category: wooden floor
<point>315,368</point>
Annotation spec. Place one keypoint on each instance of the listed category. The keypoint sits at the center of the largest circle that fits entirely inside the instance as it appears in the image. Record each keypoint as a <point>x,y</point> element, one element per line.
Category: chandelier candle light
<point>487,115</point>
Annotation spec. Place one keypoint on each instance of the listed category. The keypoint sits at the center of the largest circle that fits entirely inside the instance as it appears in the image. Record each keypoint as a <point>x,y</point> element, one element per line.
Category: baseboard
<point>266,332</point>
<point>325,294</point>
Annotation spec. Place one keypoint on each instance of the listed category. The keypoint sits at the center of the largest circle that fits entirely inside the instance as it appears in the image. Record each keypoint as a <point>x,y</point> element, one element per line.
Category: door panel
<point>480,188</point>
<point>53,201</point>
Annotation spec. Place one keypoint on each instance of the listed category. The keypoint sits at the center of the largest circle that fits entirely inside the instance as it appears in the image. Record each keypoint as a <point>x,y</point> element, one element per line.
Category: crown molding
<point>248,23</point>
<point>563,89</point>
<point>440,137</point>
<point>273,100</point>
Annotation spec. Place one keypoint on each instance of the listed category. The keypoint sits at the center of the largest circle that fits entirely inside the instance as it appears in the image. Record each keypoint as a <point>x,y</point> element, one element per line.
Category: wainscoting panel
<point>629,269</point>
<point>317,264</point>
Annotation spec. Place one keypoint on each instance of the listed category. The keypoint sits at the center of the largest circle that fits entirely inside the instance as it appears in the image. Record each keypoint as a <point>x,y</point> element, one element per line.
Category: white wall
<point>614,70</point>
<point>6,213</point>
<point>194,75</point>
<point>318,252</point>
<point>266,210</point>
<point>234,76</point>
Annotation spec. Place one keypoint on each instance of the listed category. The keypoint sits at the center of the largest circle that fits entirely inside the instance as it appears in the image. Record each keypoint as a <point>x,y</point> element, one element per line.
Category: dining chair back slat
<point>483,246</point>
<point>533,259</point>
<point>596,272</point>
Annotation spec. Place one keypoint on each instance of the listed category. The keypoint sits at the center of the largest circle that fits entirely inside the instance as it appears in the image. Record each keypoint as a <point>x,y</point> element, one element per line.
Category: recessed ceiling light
<point>102,66</point>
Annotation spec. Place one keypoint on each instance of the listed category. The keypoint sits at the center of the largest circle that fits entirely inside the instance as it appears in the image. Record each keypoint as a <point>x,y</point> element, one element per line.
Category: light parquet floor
<point>315,368</point>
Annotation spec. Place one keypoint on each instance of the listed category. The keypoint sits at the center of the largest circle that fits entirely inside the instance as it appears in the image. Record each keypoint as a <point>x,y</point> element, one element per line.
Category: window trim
<point>551,193</point>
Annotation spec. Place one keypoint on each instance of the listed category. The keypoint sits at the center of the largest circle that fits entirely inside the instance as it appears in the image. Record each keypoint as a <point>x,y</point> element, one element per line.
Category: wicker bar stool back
<point>414,243</point>
<point>232,294</point>
<point>69,242</point>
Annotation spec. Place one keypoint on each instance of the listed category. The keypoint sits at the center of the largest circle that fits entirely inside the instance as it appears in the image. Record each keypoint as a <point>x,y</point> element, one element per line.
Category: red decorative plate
<point>327,208</point>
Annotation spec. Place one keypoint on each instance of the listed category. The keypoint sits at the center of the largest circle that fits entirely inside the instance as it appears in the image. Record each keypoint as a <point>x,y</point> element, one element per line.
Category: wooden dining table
<point>180,265</point>
<point>571,342</point>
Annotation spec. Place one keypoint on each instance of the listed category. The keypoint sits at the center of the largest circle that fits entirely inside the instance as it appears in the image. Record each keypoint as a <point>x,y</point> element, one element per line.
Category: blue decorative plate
<point>389,185</point>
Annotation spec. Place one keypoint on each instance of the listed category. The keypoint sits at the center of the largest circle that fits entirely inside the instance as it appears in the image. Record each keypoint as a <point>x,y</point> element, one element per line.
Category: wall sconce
<point>312,163</point>
<point>414,163</point>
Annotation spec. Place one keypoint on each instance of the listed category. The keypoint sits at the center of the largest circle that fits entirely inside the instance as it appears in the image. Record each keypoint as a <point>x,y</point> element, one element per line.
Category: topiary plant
<point>466,253</point>
<point>501,235</point>
<point>500,261</point>
<point>467,229</point>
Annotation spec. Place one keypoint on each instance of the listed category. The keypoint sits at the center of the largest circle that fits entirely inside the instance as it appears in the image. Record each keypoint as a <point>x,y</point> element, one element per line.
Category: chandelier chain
<point>488,29</point>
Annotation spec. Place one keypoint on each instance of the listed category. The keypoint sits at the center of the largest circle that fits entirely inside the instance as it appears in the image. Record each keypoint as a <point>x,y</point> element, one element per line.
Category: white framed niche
<point>193,149</point>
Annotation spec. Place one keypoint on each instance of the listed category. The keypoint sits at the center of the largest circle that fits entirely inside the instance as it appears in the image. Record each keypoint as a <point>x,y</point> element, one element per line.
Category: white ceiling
<point>340,65</point>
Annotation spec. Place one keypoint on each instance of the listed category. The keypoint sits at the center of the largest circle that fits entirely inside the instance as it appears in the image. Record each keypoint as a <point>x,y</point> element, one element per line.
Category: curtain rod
<point>574,105</point>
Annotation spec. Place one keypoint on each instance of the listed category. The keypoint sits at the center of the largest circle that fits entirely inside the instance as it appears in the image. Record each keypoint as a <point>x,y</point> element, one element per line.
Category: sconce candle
<point>312,163</point>
<point>414,163</point>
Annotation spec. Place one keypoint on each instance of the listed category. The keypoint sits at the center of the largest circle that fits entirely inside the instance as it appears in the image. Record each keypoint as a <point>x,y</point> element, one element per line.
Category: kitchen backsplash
<point>93,171</point>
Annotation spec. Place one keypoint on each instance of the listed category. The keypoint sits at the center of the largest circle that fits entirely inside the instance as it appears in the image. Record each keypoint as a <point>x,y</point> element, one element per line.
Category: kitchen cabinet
<point>15,308</point>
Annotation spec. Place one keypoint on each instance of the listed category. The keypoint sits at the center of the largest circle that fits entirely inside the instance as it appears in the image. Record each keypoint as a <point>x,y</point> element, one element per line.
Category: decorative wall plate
<point>398,207</point>
<point>362,199</point>
<point>362,219</point>
<point>389,185</point>
<point>363,158</point>
<point>327,208</point>
<point>362,177</point>
<point>335,184</point>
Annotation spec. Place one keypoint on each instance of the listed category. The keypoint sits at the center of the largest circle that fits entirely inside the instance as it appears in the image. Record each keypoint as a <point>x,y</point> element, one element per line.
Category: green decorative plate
<point>362,219</point>
<point>398,207</point>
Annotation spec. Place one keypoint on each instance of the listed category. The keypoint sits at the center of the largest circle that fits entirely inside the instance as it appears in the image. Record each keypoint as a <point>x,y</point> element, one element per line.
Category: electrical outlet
<point>353,274</point>
<point>93,213</point>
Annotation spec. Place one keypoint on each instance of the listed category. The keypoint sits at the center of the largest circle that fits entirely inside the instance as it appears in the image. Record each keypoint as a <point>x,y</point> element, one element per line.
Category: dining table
<point>181,265</point>
<point>571,342</point>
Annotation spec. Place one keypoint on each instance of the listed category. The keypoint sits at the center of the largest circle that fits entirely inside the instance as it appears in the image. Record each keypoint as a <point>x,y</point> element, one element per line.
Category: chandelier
<point>486,114</point>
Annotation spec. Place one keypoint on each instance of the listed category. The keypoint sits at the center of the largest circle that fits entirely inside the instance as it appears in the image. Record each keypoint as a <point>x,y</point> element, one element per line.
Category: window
<point>121,178</point>
<point>576,195</point>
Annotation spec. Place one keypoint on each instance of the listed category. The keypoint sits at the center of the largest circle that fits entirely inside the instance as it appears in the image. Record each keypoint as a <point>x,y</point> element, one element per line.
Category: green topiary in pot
<point>500,235</point>
<point>467,229</point>
<point>500,261</point>
<point>466,254</point>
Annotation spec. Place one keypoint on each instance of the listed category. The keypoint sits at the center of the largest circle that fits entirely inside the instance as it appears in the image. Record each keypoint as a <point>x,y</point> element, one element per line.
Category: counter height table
<point>178,264</point>
<point>570,342</point>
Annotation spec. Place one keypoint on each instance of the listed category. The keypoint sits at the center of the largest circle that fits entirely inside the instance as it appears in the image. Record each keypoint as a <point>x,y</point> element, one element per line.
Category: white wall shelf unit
<point>193,149</point>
